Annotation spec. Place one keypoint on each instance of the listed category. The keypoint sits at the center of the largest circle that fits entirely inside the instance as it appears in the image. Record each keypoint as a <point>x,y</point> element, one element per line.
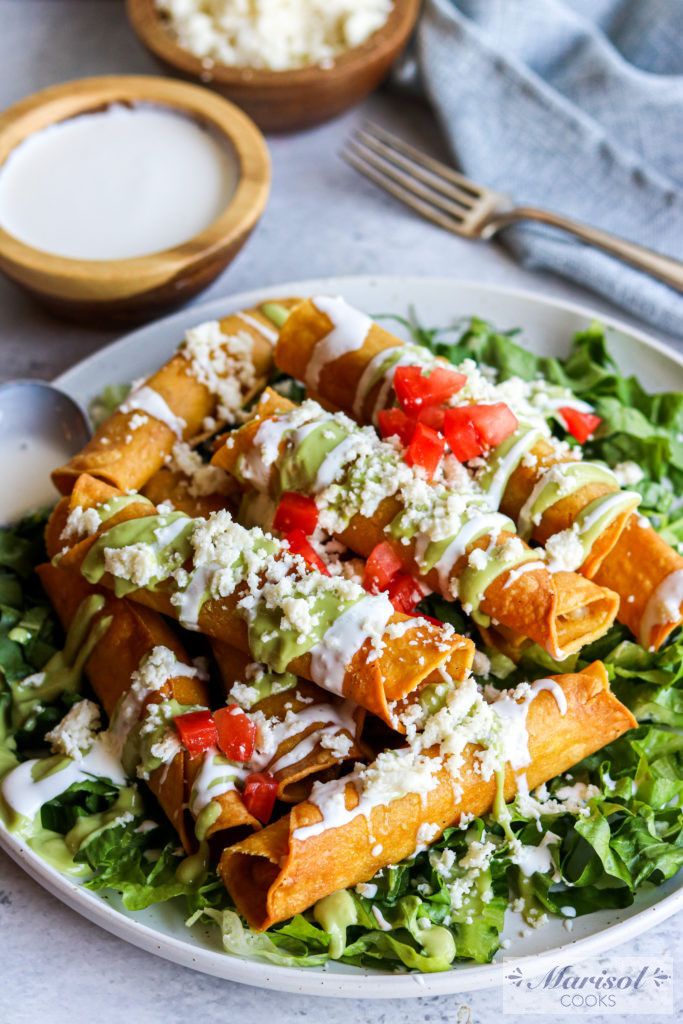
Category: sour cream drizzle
<point>350,328</point>
<point>364,620</point>
<point>26,796</point>
<point>268,333</point>
<point>663,607</point>
<point>334,462</point>
<point>513,715</point>
<point>473,529</point>
<point>146,399</point>
<point>369,376</point>
<point>216,777</point>
<point>508,464</point>
<point>330,718</point>
<point>401,772</point>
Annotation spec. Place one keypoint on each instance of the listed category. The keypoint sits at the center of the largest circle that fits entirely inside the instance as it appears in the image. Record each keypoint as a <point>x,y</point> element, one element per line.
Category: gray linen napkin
<point>577,106</point>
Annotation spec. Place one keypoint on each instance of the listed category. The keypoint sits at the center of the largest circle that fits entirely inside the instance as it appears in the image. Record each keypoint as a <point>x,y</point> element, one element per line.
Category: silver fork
<point>461,206</point>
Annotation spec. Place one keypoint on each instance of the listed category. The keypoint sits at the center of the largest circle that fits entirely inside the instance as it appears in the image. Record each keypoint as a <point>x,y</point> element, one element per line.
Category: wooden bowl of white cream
<point>317,72</point>
<point>122,197</point>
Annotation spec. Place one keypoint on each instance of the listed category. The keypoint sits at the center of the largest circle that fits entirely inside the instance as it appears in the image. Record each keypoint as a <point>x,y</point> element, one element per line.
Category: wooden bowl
<point>137,289</point>
<point>284,100</point>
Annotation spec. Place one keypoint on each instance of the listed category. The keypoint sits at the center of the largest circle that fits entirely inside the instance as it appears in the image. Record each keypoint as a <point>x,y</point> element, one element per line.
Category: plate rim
<point>367,984</point>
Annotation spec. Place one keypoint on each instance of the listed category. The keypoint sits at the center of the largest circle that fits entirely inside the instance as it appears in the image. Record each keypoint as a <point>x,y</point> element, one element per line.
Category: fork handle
<point>665,268</point>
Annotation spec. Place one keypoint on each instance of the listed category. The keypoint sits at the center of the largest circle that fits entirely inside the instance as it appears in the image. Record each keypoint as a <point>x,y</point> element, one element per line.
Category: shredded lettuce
<point>141,865</point>
<point>430,910</point>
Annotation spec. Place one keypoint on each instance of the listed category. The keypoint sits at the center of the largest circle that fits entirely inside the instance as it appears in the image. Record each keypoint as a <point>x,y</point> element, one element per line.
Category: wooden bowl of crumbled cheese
<point>288,65</point>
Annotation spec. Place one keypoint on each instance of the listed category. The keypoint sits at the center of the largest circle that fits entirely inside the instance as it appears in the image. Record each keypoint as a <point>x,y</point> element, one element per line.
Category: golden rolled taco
<point>245,588</point>
<point>351,828</point>
<point>574,507</point>
<point>442,532</point>
<point>217,369</point>
<point>313,732</point>
<point>136,663</point>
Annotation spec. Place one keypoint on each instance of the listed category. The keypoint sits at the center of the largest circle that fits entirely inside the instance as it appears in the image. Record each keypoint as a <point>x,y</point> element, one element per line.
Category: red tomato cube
<point>425,449</point>
<point>296,512</point>
<point>405,594</point>
<point>300,545</point>
<point>461,434</point>
<point>415,389</point>
<point>395,423</point>
<point>258,795</point>
<point>579,424</point>
<point>197,731</point>
<point>382,565</point>
<point>493,423</point>
<point>236,733</point>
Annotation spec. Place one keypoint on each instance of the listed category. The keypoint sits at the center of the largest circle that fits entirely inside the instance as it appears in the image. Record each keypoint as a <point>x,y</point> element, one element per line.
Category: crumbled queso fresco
<point>273,34</point>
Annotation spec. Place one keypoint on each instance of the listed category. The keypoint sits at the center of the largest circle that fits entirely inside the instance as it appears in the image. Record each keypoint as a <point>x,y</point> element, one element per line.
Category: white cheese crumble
<point>223,363</point>
<point>81,523</point>
<point>278,36</point>
<point>339,744</point>
<point>567,800</point>
<point>628,474</point>
<point>565,550</point>
<point>156,668</point>
<point>481,664</point>
<point>426,834</point>
<point>203,478</point>
<point>137,563</point>
<point>75,734</point>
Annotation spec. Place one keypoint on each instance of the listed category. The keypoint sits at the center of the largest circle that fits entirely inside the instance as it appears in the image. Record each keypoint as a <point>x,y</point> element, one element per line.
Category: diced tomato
<point>493,423</point>
<point>414,390</point>
<point>470,429</point>
<point>300,545</point>
<point>432,416</point>
<point>197,731</point>
<point>258,795</point>
<point>405,594</point>
<point>382,565</point>
<point>236,732</point>
<point>461,434</point>
<point>425,449</point>
<point>296,512</point>
<point>395,423</point>
<point>579,424</point>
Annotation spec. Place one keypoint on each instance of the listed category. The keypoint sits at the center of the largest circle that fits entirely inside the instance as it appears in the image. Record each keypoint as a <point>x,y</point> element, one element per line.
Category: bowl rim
<point>148,24</point>
<point>58,103</point>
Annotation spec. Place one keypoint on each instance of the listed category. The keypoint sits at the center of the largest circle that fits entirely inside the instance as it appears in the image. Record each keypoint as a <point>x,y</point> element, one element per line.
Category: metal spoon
<point>40,427</point>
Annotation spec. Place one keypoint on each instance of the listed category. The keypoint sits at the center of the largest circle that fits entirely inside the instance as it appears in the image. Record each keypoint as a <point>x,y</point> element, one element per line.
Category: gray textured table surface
<point>321,219</point>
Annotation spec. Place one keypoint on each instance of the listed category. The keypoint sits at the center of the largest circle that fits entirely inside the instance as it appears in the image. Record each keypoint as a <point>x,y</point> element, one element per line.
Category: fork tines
<point>426,185</point>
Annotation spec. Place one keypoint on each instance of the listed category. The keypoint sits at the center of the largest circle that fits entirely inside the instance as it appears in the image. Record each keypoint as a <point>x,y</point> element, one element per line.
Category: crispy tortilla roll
<point>322,846</point>
<point>329,346</point>
<point>314,732</point>
<point>348,361</point>
<point>176,487</point>
<point>566,513</point>
<point>133,633</point>
<point>219,367</point>
<point>648,575</point>
<point>379,659</point>
<point>560,611</point>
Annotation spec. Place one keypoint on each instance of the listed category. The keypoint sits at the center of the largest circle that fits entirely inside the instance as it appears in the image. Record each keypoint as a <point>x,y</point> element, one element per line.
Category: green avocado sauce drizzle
<point>276,647</point>
<point>64,671</point>
<point>299,465</point>
<point>167,536</point>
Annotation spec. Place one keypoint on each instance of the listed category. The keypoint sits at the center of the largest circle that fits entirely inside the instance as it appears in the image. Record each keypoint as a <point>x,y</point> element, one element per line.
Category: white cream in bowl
<point>116,183</point>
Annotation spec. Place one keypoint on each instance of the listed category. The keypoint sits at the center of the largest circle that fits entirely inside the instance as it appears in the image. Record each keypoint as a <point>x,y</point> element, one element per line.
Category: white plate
<point>548,327</point>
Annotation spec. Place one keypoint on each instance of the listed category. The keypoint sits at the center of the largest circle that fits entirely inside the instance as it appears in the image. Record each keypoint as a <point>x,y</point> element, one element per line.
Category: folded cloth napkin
<point>576,106</point>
